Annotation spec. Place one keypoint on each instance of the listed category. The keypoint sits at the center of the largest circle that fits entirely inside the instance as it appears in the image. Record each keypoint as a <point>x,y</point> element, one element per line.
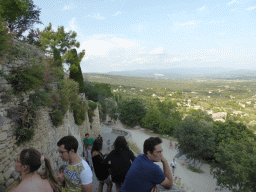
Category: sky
<point>125,35</point>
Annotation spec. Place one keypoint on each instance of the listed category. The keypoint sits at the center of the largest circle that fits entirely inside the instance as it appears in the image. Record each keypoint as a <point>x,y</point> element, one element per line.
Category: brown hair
<point>32,158</point>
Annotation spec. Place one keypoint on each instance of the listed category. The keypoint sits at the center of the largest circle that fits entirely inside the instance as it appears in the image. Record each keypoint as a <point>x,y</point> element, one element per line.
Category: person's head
<point>120,143</point>
<point>173,159</point>
<point>152,148</point>
<point>67,147</point>
<point>109,140</point>
<point>87,136</point>
<point>30,160</point>
<point>97,145</point>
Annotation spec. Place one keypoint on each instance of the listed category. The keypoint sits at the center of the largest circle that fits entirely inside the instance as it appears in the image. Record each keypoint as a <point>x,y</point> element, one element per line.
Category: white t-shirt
<point>77,175</point>
<point>173,163</point>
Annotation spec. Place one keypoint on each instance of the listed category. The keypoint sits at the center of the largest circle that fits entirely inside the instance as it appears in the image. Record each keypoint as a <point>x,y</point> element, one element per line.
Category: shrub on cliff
<point>92,107</point>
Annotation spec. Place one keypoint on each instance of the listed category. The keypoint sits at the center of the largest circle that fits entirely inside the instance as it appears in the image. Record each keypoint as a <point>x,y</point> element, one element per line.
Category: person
<point>120,158</point>
<point>108,144</point>
<point>77,174</point>
<point>143,174</point>
<point>61,173</point>
<point>86,141</point>
<point>89,155</point>
<point>27,163</point>
<point>171,146</point>
<point>173,165</point>
<point>100,168</point>
<point>99,137</point>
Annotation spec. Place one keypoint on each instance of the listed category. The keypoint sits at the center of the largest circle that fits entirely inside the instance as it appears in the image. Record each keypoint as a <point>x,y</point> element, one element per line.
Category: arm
<point>167,183</point>
<point>87,188</point>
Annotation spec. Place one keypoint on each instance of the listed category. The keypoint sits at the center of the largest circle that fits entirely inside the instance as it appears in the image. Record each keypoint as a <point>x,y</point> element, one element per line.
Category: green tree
<point>57,57</point>
<point>152,119</point>
<point>195,138</point>
<point>75,69</point>
<point>19,14</point>
<point>60,39</point>
<point>235,166</point>
<point>131,112</point>
<point>231,132</point>
<point>5,37</point>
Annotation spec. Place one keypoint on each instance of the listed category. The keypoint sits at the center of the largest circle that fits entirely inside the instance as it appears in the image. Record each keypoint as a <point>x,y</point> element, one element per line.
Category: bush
<point>79,110</point>
<point>92,107</point>
<point>131,112</point>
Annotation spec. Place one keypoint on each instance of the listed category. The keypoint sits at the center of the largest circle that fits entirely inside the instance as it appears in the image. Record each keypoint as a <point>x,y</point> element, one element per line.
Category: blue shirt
<point>142,176</point>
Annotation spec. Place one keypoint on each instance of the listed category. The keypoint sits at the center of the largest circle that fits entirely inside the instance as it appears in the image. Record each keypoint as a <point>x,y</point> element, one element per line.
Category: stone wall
<point>46,135</point>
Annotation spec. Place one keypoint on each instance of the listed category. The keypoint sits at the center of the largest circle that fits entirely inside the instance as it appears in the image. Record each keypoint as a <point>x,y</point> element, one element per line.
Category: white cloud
<point>201,8</point>
<point>231,2</point>
<point>188,23</point>
<point>251,8</point>
<point>97,16</point>
<point>103,45</point>
<point>159,50</point>
<point>117,13</point>
<point>73,24</point>
<point>68,7</point>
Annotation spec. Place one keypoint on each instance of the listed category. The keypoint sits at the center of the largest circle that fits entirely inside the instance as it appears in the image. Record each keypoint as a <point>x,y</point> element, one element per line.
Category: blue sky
<point>121,35</point>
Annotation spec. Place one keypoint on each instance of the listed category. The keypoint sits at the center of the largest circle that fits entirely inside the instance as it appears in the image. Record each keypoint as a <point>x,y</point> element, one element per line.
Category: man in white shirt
<point>173,165</point>
<point>77,174</point>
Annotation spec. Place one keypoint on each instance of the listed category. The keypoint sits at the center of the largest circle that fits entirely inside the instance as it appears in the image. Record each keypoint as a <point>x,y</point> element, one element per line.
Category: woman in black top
<point>120,158</point>
<point>100,168</point>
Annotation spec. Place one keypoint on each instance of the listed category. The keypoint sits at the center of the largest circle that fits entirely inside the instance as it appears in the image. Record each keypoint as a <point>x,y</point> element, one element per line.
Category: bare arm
<point>167,183</point>
<point>87,188</point>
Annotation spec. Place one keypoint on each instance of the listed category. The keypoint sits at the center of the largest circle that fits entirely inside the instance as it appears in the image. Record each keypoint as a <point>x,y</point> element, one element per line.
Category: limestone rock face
<point>46,135</point>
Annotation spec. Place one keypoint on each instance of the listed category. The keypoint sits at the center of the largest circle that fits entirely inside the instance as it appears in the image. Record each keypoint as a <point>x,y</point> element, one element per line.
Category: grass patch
<point>134,148</point>
<point>190,167</point>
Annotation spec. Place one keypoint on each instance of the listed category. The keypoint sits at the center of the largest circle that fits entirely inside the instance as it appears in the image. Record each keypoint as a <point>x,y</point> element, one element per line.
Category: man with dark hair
<point>77,174</point>
<point>86,141</point>
<point>143,174</point>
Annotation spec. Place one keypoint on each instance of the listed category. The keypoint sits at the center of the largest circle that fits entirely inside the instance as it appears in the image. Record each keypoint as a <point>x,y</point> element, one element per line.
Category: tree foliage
<point>5,37</point>
<point>75,69</point>
<point>235,166</point>
<point>131,112</point>
<point>195,138</point>
<point>161,117</point>
<point>231,132</point>
<point>60,39</point>
<point>19,14</point>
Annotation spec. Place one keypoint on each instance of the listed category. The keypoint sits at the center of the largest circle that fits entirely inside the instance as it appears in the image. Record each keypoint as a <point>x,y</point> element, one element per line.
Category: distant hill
<point>189,73</point>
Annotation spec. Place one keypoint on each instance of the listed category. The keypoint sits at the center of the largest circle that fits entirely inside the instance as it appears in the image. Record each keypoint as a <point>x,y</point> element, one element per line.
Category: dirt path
<point>197,182</point>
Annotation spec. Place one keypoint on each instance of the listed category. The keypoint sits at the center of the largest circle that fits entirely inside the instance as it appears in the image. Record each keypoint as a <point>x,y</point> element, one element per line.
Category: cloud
<point>251,8</point>
<point>201,8</point>
<point>102,45</point>
<point>159,50</point>
<point>188,23</point>
<point>97,16</point>
<point>117,13</point>
<point>231,2</point>
<point>174,59</point>
<point>68,7</point>
<point>73,24</point>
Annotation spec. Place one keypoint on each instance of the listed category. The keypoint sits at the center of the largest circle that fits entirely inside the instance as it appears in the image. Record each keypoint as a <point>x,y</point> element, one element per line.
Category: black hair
<point>86,134</point>
<point>120,144</point>
<point>69,142</point>
<point>150,143</point>
<point>97,145</point>
<point>32,158</point>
